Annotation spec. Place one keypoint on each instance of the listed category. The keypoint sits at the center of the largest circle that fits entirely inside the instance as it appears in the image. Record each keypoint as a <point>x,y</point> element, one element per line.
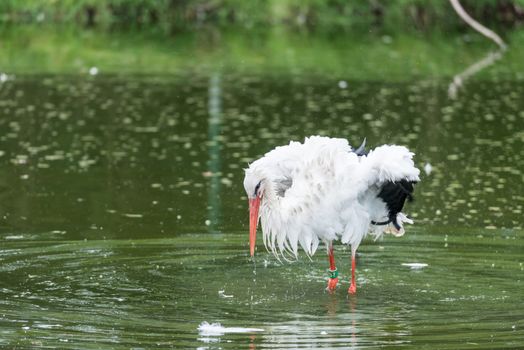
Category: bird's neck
<point>270,200</point>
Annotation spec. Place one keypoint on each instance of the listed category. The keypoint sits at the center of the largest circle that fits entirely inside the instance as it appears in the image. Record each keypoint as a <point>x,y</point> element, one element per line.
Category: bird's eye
<point>257,187</point>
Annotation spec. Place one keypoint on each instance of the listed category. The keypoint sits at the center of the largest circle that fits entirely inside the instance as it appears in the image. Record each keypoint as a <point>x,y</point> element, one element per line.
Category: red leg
<point>333,273</point>
<point>353,285</point>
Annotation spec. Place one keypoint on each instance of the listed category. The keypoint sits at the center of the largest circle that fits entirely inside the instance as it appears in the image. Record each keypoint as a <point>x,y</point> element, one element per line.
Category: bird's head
<point>254,184</point>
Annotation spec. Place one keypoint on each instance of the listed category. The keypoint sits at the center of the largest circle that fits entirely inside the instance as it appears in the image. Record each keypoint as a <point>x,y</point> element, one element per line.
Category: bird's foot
<point>332,284</point>
<point>352,288</point>
<point>333,279</point>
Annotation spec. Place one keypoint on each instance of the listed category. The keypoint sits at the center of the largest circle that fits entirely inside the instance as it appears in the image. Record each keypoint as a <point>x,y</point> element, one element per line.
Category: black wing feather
<point>394,194</point>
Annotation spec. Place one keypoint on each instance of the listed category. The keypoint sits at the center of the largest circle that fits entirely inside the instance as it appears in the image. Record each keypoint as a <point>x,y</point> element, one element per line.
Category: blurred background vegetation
<point>358,38</point>
<point>173,15</point>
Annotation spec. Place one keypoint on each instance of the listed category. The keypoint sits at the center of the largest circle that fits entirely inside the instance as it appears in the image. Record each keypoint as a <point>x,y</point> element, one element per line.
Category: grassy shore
<point>71,50</point>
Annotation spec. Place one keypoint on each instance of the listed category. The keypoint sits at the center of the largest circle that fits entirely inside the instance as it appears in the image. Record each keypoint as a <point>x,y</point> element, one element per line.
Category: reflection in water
<point>214,148</point>
<point>332,309</point>
<point>459,79</point>
<point>332,305</point>
<point>352,310</point>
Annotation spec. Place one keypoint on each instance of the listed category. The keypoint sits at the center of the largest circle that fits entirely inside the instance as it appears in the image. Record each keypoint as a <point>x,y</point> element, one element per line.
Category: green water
<point>124,222</point>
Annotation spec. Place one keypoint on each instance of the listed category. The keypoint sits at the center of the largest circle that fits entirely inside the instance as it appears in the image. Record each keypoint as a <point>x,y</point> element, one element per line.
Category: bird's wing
<point>309,206</point>
<point>383,181</point>
<point>388,163</point>
<point>280,162</point>
<point>285,164</point>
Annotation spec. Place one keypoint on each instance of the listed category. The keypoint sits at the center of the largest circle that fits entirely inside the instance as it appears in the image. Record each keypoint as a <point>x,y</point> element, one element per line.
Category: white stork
<point>324,190</point>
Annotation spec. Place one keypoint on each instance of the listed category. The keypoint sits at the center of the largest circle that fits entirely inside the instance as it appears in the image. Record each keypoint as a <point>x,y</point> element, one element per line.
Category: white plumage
<point>322,191</point>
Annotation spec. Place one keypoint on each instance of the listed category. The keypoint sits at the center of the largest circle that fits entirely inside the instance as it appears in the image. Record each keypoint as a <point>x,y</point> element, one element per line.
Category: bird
<point>323,190</point>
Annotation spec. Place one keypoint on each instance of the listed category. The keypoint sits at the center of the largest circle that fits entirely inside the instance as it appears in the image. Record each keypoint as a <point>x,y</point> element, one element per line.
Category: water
<point>124,222</point>
<point>155,292</point>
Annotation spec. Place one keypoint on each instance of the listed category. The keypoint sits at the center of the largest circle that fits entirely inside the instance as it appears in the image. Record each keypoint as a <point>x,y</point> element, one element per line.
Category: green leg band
<point>333,273</point>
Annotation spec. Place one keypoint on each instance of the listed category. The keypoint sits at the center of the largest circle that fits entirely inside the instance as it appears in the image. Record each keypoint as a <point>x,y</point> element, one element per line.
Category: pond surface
<point>124,221</point>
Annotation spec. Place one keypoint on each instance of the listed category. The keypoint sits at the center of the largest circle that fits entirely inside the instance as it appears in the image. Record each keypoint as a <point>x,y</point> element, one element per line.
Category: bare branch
<point>476,25</point>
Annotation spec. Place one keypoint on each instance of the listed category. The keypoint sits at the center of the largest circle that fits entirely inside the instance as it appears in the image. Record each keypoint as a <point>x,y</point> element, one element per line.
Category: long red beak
<point>254,204</point>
